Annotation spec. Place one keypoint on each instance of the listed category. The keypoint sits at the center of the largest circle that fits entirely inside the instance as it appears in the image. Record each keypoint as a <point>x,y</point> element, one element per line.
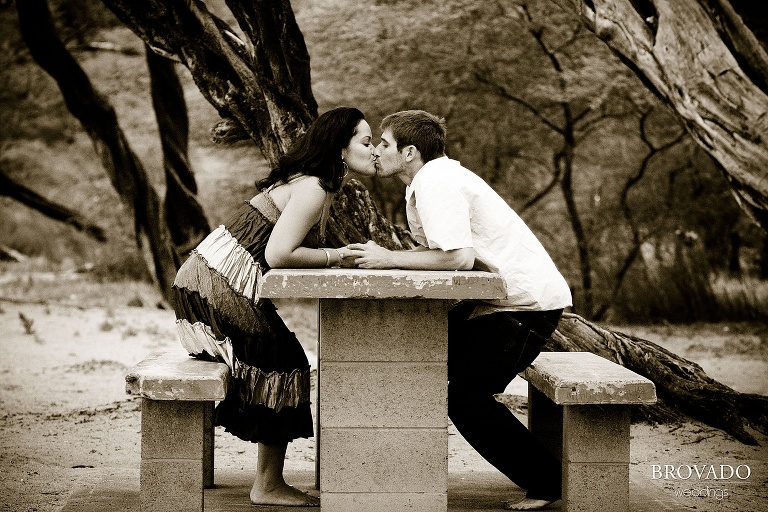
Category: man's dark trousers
<point>484,354</point>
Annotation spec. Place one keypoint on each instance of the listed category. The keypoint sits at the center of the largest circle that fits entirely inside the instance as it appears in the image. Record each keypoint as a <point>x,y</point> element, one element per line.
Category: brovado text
<point>700,472</point>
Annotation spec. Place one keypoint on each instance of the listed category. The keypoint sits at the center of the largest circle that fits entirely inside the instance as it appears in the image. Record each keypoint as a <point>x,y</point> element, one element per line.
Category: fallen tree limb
<point>682,385</point>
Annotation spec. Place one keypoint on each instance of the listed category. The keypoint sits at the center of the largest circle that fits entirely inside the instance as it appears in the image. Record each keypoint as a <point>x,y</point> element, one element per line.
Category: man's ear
<point>410,153</point>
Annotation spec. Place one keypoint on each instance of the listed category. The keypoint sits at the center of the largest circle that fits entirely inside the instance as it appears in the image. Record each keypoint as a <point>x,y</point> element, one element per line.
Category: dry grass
<point>741,298</point>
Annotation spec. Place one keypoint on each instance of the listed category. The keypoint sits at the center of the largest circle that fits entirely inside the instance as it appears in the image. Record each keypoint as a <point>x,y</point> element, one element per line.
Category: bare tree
<point>260,86</point>
<point>124,168</point>
<point>572,119</point>
<point>637,238</point>
<point>701,58</point>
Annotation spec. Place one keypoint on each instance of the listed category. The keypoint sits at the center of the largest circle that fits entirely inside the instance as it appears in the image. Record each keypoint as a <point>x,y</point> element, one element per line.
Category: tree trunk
<point>260,87</point>
<point>699,57</point>
<point>680,384</point>
<point>356,219</point>
<point>100,122</point>
<point>17,191</point>
<point>281,60</point>
<point>184,216</point>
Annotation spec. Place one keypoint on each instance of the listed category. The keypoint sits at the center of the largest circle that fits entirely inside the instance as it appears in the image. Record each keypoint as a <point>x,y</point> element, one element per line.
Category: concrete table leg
<point>596,458</point>
<point>171,474</point>
<point>545,421</point>
<point>209,442</point>
<point>383,405</point>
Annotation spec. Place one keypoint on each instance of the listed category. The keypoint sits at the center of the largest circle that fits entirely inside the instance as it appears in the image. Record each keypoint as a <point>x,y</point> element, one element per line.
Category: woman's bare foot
<point>526,504</point>
<point>283,495</point>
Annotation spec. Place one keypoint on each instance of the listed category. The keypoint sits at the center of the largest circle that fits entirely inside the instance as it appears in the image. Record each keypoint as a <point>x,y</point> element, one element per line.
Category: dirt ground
<point>66,345</point>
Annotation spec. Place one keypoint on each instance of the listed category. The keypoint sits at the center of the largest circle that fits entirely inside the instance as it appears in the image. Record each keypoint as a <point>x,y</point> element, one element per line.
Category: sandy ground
<point>64,416</point>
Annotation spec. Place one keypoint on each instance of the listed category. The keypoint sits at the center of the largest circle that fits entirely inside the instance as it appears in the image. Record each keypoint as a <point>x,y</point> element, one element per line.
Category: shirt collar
<point>409,189</point>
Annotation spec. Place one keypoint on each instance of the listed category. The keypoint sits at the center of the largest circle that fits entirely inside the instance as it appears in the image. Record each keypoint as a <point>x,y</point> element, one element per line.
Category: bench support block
<point>593,443</point>
<point>172,455</point>
<point>595,458</point>
<point>209,440</point>
<point>545,420</point>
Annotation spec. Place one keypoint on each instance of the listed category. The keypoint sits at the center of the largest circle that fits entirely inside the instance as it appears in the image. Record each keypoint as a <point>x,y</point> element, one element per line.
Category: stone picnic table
<point>382,415</point>
<point>382,433</point>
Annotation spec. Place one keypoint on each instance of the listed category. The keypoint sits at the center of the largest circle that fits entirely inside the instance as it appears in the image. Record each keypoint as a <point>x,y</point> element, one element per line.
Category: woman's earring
<point>346,169</point>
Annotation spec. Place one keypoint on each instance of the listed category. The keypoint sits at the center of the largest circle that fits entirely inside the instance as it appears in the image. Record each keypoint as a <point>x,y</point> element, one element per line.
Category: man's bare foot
<point>285,496</point>
<point>526,504</point>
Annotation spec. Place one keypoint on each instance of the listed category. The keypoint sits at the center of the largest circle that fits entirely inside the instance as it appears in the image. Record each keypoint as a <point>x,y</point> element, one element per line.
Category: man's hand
<point>371,255</point>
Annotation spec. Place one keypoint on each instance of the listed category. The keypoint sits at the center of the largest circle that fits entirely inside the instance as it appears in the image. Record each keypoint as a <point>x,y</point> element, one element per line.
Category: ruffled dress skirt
<point>220,317</point>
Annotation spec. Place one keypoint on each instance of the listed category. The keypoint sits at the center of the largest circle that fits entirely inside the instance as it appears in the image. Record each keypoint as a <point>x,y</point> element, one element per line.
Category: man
<point>460,223</point>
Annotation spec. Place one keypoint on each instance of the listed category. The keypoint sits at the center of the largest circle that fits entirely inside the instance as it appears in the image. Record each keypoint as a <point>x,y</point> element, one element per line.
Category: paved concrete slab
<point>117,490</point>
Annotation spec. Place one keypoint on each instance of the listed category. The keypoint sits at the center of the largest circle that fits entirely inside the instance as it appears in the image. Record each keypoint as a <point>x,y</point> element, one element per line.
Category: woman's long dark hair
<point>318,151</point>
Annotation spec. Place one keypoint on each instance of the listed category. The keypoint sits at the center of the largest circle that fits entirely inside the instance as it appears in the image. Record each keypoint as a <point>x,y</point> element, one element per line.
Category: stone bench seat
<point>178,394</point>
<point>579,407</point>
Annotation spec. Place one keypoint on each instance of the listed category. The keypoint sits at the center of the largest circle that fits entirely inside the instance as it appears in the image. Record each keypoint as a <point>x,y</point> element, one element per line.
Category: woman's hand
<point>371,255</point>
<point>346,258</point>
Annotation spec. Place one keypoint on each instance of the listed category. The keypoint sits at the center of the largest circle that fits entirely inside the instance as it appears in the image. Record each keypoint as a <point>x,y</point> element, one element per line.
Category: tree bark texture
<point>702,59</point>
<point>11,188</point>
<point>356,219</point>
<point>183,214</point>
<point>681,385</point>
<point>260,86</point>
<point>100,122</point>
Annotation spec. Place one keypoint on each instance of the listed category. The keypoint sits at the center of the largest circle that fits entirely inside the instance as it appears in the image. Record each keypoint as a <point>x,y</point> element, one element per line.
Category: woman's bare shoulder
<point>307,187</point>
<point>306,182</point>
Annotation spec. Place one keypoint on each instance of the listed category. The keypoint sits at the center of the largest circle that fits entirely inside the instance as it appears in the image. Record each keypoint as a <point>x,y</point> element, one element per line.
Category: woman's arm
<point>301,212</point>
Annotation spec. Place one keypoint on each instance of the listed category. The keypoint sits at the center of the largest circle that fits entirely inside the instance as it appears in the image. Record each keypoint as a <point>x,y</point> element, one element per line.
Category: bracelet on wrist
<point>341,258</point>
<point>327,258</point>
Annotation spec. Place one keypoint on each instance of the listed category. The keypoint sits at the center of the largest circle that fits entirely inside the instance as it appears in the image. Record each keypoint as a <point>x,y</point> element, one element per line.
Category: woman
<point>220,317</point>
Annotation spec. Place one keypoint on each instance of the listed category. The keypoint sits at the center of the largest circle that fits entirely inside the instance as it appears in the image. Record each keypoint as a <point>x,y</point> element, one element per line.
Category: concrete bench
<point>177,437</point>
<point>579,405</point>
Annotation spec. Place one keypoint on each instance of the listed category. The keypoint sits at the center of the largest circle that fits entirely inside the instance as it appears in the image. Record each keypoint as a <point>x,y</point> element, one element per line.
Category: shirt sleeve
<point>444,213</point>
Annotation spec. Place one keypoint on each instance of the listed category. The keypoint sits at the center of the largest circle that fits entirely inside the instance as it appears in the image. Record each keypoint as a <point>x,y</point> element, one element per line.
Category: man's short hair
<point>418,128</point>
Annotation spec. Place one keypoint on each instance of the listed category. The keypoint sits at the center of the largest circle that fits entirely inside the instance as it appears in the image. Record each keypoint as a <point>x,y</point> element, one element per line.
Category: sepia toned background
<point>640,219</point>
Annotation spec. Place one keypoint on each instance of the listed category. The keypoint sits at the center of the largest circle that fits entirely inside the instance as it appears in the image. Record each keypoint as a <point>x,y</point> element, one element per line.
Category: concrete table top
<point>353,283</point>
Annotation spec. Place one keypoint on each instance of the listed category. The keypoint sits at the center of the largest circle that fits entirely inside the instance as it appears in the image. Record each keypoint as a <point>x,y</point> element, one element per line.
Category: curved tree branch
<point>100,122</point>
<point>503,92</point>
<point>183,214</point>
<point>13,189</point>
<point>262,89</point>
<point>244,85</point>
<point>699,58</point>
